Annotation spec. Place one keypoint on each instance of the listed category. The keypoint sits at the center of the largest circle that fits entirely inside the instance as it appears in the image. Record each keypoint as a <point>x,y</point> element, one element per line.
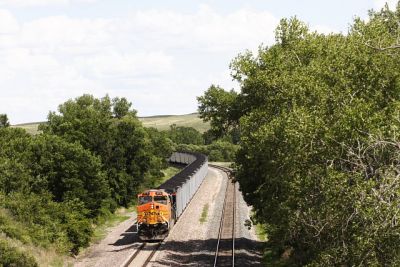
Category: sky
<point>159,54</point>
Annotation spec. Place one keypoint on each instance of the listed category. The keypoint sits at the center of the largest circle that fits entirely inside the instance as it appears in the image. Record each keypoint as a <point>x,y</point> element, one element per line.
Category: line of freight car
<point>158,209</point>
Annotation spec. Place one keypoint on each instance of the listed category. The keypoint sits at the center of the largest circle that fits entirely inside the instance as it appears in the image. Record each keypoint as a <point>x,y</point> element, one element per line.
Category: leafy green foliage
<point>11,256</point>
<point>189,139</point>
<point>110,130</point>
<point>185,135</point>
<point>319,157</point>
<point>68,172</point>
<point>216,151</point>
<point>14,170</point>
<point>91,157</point>
<point>219,107</point>
<point>44,222</point>
<point>4,121</point>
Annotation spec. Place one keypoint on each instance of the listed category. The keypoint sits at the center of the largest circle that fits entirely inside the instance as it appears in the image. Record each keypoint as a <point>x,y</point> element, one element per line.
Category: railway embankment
<point>192,241</point>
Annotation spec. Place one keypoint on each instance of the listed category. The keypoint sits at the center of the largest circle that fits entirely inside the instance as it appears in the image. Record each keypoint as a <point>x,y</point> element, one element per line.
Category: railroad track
<point>225,251</point>
<point>143,255</point>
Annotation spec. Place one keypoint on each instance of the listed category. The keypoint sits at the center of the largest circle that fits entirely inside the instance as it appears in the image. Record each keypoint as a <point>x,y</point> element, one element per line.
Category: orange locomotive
<point>155,214</point>
<point>158,209</point>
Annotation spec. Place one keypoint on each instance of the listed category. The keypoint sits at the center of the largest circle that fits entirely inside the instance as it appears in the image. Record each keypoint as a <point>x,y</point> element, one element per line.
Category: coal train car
<point>158,209</point>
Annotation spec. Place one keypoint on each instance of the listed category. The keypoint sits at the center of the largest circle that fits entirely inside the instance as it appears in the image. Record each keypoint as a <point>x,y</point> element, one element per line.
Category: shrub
<point>11,256</point>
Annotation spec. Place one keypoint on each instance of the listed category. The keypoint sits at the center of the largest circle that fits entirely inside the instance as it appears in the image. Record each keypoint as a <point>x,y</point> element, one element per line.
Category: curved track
<point>225,251</point>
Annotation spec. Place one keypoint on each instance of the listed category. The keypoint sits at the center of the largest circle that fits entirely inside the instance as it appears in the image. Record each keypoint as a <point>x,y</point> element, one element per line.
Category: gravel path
<point>120,242</point>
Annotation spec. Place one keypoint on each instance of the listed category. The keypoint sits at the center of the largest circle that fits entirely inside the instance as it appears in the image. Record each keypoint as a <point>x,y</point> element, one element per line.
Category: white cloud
<point>381,3</point>
<point>34,3</point>
<point>51,32</point>
<point>323,29</point>
<point>116,65</point>
<point>207,29</point>
<point>8,23</point>
<point>160,59</point>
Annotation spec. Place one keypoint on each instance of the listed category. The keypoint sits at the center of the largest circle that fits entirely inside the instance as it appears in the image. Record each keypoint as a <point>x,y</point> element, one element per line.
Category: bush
<point>68,172</point>
<point>185,135</point>
<point>11,256</point>
<point>217,151</point>
<point>64,225</point>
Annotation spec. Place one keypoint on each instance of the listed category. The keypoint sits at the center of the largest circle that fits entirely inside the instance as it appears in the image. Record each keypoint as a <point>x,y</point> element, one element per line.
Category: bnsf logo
<point>152,213</point>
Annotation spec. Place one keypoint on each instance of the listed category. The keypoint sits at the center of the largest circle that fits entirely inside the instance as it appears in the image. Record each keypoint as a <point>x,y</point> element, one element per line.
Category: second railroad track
<point>225,251</point>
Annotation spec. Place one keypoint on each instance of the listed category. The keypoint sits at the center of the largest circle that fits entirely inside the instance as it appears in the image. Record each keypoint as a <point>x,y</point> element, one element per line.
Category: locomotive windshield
<point>145,199</point>
<point>160,199</point>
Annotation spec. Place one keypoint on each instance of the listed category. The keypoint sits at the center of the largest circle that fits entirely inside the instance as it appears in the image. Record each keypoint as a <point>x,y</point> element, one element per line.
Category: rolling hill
<point>161,122</point>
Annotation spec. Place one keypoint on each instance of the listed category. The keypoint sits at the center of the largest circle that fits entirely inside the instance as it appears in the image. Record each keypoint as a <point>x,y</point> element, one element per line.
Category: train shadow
<point>129,237</point>
<point>202,253</point>
<point>195,252</point>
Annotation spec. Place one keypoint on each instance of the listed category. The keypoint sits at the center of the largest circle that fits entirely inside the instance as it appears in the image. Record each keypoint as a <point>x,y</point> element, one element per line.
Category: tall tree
<point>320,142</point>
<point>219,107</point>
<point>4,121</point>
<point>185,135</point>
<point>110,130</point>
<point>69,172</point>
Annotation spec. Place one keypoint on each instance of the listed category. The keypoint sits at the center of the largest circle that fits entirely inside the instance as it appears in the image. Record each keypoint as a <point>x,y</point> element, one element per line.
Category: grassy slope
<point>31,128</point>
<point>163,122</point>
<point>49,256</point>
<point>160,122</point>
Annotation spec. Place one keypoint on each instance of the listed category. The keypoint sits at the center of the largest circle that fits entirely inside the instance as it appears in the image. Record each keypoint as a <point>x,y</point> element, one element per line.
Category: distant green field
<point>161,122</point>
<point>164,121</point>
<point>31,128</point>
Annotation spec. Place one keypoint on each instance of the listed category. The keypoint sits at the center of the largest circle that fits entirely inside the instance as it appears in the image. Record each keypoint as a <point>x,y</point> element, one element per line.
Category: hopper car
<point>158,209</point>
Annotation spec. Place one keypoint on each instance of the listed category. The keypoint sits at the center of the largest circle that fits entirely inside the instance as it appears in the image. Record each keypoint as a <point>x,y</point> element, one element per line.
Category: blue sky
<point>159,54</point>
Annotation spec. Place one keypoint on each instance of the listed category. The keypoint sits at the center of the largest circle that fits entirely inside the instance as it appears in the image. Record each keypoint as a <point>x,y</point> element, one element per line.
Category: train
<point>158,209</point>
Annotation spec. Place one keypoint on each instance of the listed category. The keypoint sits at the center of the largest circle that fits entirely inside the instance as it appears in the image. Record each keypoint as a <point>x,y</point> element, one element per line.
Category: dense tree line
<point>319,141</point>
<point>216,147</point>
<point>92,156</point>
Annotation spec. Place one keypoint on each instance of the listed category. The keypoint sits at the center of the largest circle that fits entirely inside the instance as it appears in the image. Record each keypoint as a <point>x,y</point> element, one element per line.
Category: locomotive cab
<point>155,214</point>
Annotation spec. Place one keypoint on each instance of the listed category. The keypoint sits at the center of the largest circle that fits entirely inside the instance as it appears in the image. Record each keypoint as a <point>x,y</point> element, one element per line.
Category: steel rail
<point>138,251</point>
<point>217,252</point>
<point>234,224</point>
<point>134,255</point>
<point>220,228</point>
<point>150,257</point>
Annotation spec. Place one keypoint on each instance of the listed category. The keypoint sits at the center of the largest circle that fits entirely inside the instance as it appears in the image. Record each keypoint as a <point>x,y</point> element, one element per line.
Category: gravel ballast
<point>193,243</point>
<point>120,242</point>
<point>193,239</point>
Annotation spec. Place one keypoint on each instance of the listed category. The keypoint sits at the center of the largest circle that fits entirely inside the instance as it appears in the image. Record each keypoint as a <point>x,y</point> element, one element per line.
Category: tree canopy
<point>92,156</point>
<point>319,156</point>
<point>4,121</point>
<point>219,108</point>
<point>110,130</point>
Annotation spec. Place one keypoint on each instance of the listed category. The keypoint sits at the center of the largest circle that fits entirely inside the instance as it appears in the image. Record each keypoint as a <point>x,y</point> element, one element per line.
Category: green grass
<point>17,234</point>
<point>31,128</point>
<point>169,172</point>
<point>162,122</point>
<point>112,220</point>
<point>204,214</point>
<point>261,233</point>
